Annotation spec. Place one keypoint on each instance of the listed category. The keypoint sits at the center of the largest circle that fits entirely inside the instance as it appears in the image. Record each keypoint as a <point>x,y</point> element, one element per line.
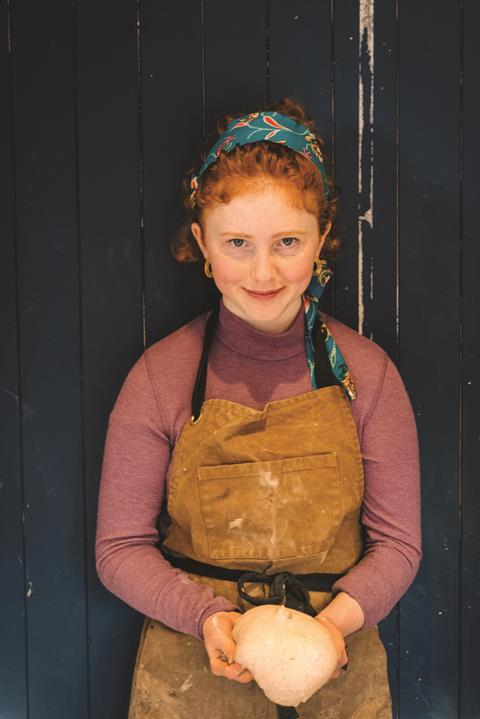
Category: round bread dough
<point>289,654</point>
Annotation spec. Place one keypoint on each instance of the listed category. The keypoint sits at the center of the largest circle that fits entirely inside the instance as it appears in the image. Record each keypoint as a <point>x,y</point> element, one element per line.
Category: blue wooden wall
<point>104,104</point>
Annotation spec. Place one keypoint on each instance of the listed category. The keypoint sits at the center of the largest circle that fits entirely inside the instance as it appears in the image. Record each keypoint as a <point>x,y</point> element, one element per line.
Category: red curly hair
<point>247,165</point>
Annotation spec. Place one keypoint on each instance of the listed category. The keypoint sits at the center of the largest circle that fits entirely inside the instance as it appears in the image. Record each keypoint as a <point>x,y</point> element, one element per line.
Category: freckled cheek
<point>298,274</point>
<point>228,275</point>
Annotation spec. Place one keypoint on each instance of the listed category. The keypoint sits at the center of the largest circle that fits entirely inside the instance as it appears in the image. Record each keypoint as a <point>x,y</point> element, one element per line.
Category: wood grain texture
<point>50,362</point>
<point>13,664</point>
<point>172,76</point>
<point>111,274</point>
<point>429,212</point>
<point>470,391</point>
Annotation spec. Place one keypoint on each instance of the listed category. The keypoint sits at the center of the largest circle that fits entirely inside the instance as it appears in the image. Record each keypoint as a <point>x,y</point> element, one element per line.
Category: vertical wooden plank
<point>235,58</point>
<point>304,72</point>
<point>13,679</point>
<point>429,342</point>
<point>378,172</point>
<point>365,166</point>
<point>470,496</point>
<point>49,316</point>
<point>378,215</point>
<point>111,286</point>
<point>172,118</point>
<point>346,97</point>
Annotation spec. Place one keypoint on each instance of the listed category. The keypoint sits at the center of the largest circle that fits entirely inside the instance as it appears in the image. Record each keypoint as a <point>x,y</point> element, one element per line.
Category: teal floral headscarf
<point>258,126</point>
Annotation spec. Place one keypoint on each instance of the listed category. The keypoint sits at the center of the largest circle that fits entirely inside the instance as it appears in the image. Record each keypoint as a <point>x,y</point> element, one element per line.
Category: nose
<point>263,267</point>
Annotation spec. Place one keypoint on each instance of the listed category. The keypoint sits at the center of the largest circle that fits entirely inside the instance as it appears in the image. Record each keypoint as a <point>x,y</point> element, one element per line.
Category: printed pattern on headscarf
<point>258,126</point>
<point>311,296</point>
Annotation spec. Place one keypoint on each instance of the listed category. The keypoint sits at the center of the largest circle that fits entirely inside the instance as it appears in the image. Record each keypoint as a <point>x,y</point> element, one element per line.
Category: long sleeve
<point>391,506</point>
<point>132,489</point>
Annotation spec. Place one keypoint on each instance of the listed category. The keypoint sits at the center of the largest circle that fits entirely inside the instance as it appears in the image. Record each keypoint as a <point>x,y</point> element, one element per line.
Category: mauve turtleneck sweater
<point>250,367</point>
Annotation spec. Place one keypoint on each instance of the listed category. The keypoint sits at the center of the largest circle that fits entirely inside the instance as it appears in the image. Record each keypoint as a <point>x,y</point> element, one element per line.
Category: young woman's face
<point>261,249</point>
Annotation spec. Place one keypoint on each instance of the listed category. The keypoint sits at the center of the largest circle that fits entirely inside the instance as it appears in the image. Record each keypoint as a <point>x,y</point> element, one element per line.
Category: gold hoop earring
<point>317,266</point>
<point>207,269</point>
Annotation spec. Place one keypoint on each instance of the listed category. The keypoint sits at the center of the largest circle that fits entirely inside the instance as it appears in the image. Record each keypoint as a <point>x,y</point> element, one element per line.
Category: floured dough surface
<point>289,654</point>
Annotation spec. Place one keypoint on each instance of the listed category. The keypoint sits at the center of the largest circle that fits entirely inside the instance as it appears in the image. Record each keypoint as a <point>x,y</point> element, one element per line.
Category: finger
<point>237,673</point>
<point>222,668</point>
<point>220,662</point>
<point>224,647</point>
<point>218,655</point>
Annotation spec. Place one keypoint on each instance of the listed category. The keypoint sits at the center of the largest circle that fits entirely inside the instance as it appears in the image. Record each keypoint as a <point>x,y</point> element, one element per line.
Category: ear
<point>323,236</point>
<point>198,234</point>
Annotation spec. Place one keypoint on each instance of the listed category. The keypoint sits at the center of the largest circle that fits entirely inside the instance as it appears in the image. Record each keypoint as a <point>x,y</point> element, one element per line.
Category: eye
<point>289,241</point>
<point>237,242</point>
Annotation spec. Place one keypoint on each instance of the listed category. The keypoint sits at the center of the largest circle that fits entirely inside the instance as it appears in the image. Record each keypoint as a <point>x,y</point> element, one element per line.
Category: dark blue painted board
<point>111,257</point>
<point>345,128</point>
<point>380,240</point>
<point>235,58</point>
<point>429,342</point>
<point>172,132</point>
<point>470,449</point>
<point>45,152</point>
<point>13,678</point>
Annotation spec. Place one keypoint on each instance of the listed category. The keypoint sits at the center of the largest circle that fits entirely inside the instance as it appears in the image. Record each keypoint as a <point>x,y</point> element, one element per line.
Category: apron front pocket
<point>276,509</point>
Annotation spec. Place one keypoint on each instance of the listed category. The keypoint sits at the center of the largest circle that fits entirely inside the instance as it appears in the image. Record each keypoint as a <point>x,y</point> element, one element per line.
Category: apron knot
<point>284,588</point>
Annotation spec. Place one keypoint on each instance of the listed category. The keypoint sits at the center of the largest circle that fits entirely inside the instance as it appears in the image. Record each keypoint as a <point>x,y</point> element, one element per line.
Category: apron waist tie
<point>285,588</point>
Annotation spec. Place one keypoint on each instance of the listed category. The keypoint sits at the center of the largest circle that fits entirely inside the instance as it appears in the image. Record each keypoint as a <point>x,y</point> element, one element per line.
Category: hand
<point>220,646</point>
<point>337,638</point>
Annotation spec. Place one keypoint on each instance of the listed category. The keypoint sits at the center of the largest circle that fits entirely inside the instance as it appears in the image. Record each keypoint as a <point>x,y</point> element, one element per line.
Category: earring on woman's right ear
<point>317,266</point>
<point>207,268</point>
<point>321,272</point>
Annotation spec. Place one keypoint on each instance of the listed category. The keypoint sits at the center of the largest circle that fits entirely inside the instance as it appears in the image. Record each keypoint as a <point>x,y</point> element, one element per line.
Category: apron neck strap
<point>324,376</point>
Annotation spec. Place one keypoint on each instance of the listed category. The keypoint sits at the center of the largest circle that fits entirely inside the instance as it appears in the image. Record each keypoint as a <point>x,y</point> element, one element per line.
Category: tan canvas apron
<point>271,490</point>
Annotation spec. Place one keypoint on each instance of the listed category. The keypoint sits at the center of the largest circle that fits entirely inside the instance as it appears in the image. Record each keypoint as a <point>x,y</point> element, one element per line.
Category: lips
<point>263,293</point>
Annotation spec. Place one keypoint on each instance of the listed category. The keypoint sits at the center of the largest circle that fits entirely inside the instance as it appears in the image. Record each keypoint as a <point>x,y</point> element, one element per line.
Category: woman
<point>264,436</point>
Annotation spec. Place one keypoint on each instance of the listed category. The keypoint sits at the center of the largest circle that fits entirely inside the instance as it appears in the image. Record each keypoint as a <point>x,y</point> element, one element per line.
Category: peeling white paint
<point>366,30</point>
<point>7,391</point>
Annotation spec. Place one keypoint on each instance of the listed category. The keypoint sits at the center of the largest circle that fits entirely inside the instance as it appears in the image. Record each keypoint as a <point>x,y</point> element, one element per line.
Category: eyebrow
<point>286,233</point>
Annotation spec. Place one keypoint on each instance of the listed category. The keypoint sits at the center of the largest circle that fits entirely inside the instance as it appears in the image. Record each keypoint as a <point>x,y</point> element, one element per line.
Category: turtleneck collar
<point>242,338</point>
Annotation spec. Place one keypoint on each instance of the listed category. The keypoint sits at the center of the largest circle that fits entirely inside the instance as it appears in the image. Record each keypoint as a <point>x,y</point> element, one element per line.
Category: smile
<point>269,294</point>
